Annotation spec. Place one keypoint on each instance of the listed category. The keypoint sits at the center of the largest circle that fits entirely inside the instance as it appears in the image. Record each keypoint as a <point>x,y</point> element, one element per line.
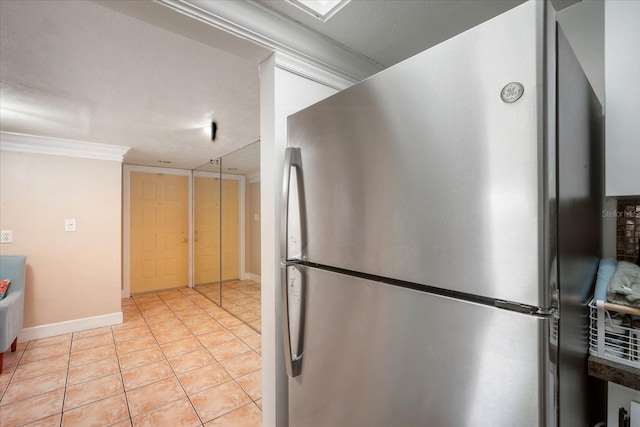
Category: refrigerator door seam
<point>497,303</point>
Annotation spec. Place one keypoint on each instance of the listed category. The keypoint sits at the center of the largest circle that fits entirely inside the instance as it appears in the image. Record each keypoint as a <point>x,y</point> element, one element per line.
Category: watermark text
<point>620,214</point>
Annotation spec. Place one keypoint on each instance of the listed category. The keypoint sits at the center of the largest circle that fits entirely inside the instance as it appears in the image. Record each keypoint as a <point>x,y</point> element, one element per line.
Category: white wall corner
<point>252,276</point>
<point>35,144</point>
<point>253,177</point>
<point>69,326</point>
<point>284,90</point>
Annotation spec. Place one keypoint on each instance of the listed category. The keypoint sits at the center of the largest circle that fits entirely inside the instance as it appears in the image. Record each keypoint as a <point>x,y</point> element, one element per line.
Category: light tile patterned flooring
<point>177,360</point>
<point>242,298</point>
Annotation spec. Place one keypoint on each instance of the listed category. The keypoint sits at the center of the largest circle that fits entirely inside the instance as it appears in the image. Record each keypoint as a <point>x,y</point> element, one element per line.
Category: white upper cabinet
<point>622,97</point>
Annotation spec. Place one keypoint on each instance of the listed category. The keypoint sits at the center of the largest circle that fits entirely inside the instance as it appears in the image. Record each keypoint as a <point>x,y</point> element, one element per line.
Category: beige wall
<point>70,275</point>
<point>252,228</point>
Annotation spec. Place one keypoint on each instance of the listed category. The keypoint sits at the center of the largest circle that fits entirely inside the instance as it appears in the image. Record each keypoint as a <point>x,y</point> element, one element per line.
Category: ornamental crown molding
<point>35,144</point>
<point>311,72</point>
<point>251,21</point>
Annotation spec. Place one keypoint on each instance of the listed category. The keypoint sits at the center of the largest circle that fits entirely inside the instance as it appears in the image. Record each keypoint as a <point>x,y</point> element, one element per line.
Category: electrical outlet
<point>6,236</point>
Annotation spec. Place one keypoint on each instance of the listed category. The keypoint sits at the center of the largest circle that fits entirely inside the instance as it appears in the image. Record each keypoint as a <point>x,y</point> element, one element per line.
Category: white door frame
<point>126,220</point>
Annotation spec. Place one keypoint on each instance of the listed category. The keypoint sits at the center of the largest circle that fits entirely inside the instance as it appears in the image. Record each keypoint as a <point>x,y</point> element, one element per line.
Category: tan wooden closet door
<point>206,199</point>
<point>230,229</point>
<point>159,231</point>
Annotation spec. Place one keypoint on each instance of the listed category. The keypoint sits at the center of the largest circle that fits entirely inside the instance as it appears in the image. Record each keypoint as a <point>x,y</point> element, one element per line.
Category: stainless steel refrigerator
<point>440,232</point>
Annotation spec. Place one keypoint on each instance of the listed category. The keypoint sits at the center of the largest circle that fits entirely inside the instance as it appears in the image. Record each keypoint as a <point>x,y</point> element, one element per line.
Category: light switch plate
<point>70,224</point>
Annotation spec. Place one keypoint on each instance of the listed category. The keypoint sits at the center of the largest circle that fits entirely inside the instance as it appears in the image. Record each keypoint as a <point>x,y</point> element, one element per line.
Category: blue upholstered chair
<point>12,267</point>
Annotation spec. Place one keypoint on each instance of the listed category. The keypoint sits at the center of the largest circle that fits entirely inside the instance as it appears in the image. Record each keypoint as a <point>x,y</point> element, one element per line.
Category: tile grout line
<point>66,381</point>
<point>4,392</point>
<point>124,390</point>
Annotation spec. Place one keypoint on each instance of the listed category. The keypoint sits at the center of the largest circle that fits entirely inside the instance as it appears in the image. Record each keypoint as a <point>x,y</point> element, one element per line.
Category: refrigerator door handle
<point>292,349</point>
<point>293,228</point>
<point>293,361</point>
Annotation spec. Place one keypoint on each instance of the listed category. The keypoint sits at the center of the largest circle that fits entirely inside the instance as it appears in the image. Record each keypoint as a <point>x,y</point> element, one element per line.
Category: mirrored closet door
<point>226,216</point>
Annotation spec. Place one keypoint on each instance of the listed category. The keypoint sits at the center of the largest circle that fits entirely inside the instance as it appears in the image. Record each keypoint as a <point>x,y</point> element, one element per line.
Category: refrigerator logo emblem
<point>512,92</point>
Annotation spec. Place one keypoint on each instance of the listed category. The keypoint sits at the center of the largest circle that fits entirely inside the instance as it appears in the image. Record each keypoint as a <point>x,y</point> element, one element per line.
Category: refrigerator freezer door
<point>423,173</point>
<point>381,355</point>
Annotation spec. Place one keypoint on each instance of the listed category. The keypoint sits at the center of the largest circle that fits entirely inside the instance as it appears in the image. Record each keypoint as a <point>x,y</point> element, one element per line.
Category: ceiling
<point>390,31</point>
<point>149,76</point>
<point>245,161</point>
<point>77,70</point>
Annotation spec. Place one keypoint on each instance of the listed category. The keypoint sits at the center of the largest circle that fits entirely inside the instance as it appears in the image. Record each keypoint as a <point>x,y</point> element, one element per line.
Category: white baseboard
<point>69,326</point>
<point>251,276</point>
